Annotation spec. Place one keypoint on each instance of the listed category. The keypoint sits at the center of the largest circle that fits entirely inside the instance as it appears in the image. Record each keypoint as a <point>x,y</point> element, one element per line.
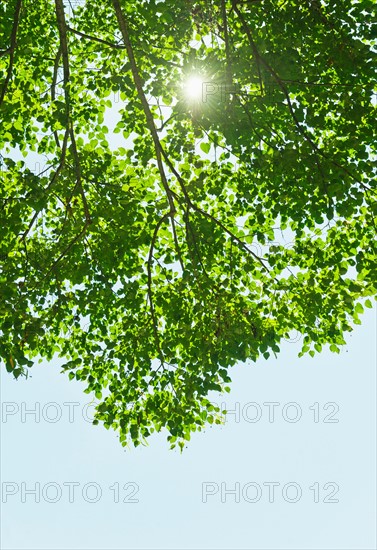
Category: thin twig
<point>96,39</point>
<point>316,149</point>
<point>68,248</point>
<point>53,180</point>
<point>78,174</point>
<point>54,80</point>
<point>150,293</point>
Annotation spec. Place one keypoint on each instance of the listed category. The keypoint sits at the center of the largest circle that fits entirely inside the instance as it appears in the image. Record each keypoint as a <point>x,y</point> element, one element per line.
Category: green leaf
<point>152,240</point>
<point>205,147</point>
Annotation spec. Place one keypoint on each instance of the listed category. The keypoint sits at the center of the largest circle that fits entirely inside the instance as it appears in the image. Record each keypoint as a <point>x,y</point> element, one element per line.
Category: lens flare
<point>194,87</point>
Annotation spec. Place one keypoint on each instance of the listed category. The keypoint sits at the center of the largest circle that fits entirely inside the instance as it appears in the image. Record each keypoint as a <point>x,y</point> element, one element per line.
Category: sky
<point>293,467</point>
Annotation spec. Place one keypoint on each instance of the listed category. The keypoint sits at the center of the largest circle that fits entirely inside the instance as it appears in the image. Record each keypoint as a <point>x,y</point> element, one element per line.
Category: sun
<point>193,87</point>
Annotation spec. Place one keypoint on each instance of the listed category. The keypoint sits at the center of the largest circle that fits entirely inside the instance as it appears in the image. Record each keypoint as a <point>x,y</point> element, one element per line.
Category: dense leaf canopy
<point>149,249</point>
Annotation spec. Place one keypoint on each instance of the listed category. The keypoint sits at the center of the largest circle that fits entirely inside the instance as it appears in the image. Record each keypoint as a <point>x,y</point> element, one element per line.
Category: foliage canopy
<point>154,259</point>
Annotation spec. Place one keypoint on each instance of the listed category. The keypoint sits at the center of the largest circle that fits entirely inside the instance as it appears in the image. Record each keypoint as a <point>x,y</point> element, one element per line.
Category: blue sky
<point>303,478</point>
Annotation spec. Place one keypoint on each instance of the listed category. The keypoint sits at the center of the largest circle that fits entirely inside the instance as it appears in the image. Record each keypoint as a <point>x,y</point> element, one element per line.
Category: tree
<point>153,261</point>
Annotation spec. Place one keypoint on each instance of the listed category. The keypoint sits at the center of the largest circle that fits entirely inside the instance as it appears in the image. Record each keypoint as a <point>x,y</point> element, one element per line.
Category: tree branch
<point>123,26</point>
<point>54,79</point>
<point>150,293</point>
<point>96,39</point>
<point>78,175</point>
<point>68,248</point>
<point>227,45</point>
<point>11,49</point>
<point>64,50</point>
<point>53,180</point>
<point>60,17</point>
